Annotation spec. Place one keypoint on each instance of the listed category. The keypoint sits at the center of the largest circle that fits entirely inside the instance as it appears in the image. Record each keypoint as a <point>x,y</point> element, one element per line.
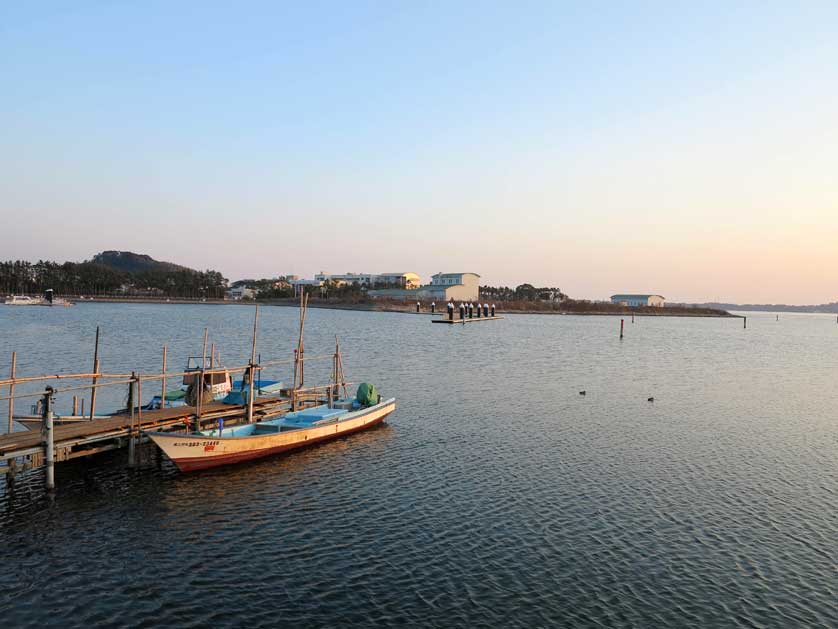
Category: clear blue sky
<point>689,149</point>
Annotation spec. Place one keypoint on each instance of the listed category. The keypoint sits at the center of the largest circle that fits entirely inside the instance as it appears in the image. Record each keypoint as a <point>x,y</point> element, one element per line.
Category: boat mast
<point>340,378</point>
<point>299,370</point>
<point>252,369</point>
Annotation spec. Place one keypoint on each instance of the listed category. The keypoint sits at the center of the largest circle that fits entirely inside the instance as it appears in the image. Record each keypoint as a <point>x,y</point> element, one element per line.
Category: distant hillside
<point>130,262</point>
<point>113,273</point>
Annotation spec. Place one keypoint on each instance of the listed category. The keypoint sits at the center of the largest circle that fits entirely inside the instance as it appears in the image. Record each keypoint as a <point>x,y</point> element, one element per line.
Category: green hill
<point>130,262</point>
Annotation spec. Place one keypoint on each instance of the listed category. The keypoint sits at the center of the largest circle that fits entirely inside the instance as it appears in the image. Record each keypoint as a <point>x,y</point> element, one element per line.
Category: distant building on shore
<point>300,285</point>
<point>457,286</point>
<point>656,301</point>
<point>239,293</point>
<point>443,287</point>
<point>406,280</point>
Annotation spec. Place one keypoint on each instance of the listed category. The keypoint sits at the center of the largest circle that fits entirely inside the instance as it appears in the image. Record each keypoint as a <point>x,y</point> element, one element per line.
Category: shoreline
<point>672,312</point>
<point>375,307</point>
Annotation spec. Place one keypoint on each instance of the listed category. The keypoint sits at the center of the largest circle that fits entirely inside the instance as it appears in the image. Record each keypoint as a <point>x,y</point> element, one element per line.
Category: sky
<point>688,149</point>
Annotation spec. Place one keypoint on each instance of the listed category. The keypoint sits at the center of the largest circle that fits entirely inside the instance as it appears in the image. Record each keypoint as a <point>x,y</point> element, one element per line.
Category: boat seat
<point>265,429</point>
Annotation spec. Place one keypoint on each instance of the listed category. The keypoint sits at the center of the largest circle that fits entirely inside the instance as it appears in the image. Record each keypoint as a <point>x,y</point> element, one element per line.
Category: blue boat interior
<point>306,418</point>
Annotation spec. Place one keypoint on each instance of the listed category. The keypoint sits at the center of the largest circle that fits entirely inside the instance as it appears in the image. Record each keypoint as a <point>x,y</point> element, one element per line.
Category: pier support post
<point>132,449</point>
<point>11,473</point>
<point>12,373</point>
<point>622,325</point>
<point>49,440</point>
<point>744,323</point>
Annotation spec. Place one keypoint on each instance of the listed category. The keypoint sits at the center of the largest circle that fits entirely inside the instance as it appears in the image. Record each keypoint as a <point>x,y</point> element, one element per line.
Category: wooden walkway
<point>79,434</point>
<point>464,321</point>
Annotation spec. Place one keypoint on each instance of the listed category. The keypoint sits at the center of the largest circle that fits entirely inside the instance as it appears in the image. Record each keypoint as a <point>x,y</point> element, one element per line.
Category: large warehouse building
<point>656,301</point>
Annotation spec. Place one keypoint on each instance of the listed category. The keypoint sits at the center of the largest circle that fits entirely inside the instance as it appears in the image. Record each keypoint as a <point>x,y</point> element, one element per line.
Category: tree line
<point>523,292</point>
<point>91,279</point>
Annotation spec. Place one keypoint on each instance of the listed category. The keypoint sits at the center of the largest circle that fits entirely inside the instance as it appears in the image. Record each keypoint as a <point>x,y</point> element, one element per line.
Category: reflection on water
<point>496,494</point>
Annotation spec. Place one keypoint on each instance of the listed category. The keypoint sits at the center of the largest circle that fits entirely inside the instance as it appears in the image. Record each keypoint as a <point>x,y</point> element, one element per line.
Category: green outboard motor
<point>366,395</point>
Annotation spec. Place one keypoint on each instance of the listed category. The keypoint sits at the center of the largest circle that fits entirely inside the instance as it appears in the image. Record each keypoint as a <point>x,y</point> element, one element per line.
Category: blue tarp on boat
<point>240,393</point>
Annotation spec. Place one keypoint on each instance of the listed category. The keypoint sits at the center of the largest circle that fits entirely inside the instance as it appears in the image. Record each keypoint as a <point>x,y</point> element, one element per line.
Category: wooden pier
<point>467,320</point>
<point>54,442</point>
<point>98,435</point>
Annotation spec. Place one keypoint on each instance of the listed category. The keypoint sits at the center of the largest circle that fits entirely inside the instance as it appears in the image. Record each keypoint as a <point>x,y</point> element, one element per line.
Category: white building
<point>406,280</point>
<point>300,285</point>
<point>239,293</point>
<point>656,301</point>
<point>444,287</point>
<point>456,286</point>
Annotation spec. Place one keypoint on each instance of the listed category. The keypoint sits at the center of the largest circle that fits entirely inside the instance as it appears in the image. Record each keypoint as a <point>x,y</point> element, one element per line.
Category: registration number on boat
<point>196,444</point>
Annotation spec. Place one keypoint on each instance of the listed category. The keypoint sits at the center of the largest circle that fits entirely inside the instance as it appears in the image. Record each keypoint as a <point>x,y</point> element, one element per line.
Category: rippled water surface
<point>496,495</point>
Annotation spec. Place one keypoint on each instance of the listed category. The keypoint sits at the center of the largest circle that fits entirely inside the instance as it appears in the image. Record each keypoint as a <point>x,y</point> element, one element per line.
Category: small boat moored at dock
<point>211,448</point>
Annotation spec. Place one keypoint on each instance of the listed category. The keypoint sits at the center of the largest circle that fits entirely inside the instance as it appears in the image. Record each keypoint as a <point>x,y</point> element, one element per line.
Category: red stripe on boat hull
<point>202,463</point>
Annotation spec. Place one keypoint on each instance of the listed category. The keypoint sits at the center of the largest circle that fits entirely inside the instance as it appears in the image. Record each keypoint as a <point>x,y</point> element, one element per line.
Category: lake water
<point>495,496</point>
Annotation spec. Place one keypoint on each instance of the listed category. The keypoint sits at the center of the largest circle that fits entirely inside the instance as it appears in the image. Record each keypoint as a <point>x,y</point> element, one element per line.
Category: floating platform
<point>466,320</point>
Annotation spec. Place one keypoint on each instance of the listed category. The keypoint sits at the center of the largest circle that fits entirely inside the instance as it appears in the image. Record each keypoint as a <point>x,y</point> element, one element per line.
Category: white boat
<point>211,448</point>
<point>51,300</point>
<point>23,300</point>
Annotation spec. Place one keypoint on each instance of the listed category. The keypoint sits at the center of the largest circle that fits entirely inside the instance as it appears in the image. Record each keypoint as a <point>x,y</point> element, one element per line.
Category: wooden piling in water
<point>163,379</point>
<point>131,404</point>
<point>622,325</point>
<point>744,323</point>
<point>12,391</point>
<point>49,441</point>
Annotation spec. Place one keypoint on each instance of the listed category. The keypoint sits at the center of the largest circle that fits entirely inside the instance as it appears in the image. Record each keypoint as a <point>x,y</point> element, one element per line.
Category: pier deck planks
<point>17,441</point>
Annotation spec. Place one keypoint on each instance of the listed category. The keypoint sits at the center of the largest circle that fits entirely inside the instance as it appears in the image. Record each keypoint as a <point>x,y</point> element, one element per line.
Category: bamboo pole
<point>49,440</point>
<point>95,370</point>
<point>163,379</point>
<point>199,388</point>
<point>340,367</point>
<point>300,343</point>
<point>252,369</point>
<point>93,390</point>
<point>131,404</point>
<point>12,392</point>
<point>62,376</point>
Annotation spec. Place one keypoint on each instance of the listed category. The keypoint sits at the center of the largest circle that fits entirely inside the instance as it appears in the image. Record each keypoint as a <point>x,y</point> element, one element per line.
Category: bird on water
<point>583,393</point>
<point>651,399</point>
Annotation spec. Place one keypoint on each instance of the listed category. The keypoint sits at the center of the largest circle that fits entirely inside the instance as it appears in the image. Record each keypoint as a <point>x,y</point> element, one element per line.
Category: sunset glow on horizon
<point>689,151</point>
